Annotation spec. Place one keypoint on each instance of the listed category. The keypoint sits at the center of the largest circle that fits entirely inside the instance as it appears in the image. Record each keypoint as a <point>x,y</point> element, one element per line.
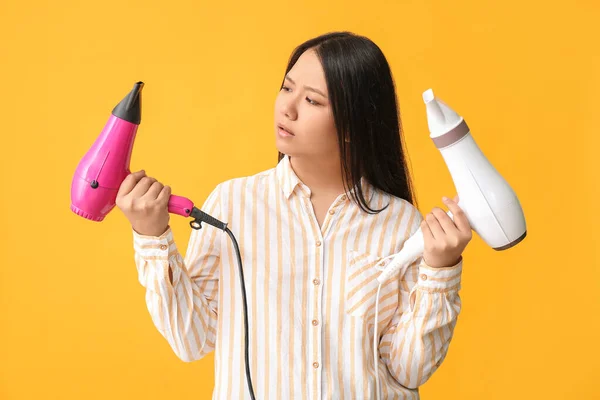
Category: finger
<point>142,186</point>
<point>130,181</point>
<point>153,191</point>
<point>436,229</point>
<point>165,195</point>
<point>459,217</point>
<point>445,221</point>
<point>427,235</point>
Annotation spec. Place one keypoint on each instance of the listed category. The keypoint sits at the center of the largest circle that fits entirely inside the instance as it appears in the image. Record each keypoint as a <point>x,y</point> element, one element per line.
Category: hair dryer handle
<point>180,205</point>
<point>412,249</point>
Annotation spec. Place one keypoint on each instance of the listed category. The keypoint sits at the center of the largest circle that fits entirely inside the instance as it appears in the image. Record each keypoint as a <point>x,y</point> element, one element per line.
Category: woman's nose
<point>288,109</point>
<point>290,115</point>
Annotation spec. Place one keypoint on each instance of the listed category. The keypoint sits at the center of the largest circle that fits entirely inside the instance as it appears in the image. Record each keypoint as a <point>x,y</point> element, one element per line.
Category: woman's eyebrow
<point>307,87</point>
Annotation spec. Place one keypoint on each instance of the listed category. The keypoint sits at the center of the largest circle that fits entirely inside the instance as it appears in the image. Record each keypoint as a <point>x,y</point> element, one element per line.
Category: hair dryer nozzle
<point>130,109</point>
<point>428,96</point>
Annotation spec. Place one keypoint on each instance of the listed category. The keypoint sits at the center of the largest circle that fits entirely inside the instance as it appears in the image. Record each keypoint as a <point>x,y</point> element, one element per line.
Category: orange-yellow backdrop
<point>74,324</point>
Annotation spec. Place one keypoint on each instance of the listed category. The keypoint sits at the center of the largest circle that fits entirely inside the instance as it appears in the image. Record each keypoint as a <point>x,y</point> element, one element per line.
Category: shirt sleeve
<point>416,341</point>
<point>184,309</point>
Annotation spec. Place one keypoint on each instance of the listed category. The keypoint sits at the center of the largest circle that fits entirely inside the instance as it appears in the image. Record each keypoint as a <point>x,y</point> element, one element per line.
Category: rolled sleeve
<point>446,279</point>
<point>155,247</point>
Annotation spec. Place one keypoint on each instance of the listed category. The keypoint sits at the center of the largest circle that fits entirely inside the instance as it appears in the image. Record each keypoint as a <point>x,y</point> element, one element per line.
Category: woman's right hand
<point>145,203</point>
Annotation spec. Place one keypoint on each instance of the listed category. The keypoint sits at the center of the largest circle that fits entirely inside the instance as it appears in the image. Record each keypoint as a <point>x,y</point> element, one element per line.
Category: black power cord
<point>199,217</point>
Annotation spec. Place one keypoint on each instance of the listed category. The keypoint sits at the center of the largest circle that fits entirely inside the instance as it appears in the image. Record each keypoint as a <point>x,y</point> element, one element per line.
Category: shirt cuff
<point>154,247</point>
<point>440,279</point>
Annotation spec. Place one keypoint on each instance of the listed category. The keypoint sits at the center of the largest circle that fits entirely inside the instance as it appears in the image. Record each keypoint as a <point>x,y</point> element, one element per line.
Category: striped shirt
<point>310,293</point>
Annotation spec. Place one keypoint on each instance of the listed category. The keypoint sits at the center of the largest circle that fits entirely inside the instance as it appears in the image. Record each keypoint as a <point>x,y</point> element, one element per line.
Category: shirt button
<point>316,364</point>
<point>331,212</point>
<point>424,277</point>
<point>163,246</point>
<point>316,282</point>
<point>315,322</point>
<point>318,243</point>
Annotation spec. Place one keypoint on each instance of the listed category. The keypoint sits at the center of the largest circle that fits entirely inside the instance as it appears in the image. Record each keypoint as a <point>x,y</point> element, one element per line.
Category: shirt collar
<point>288,180</point>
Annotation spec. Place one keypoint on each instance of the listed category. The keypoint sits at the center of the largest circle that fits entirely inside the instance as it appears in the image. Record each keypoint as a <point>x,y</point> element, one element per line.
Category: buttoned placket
<point>316,295</point>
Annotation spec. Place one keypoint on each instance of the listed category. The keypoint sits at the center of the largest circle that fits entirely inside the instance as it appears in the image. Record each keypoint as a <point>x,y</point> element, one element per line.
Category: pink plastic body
<point>106,165</point>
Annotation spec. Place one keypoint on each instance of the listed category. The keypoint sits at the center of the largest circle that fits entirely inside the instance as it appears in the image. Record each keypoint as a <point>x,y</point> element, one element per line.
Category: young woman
<point>314,233</point>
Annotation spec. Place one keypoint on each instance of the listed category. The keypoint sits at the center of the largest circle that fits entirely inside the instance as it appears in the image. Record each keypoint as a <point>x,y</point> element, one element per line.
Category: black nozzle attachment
<point>130,108</point>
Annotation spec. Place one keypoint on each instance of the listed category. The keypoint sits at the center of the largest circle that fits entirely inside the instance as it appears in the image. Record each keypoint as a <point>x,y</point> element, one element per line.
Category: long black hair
<point>366,114</point>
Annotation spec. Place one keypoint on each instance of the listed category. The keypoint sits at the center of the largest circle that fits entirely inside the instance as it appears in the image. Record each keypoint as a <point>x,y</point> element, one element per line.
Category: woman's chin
<point>284,146</point>
<point>283,149</point>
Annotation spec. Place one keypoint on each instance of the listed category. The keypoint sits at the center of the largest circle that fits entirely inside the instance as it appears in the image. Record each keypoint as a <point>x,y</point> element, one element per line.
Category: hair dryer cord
<point>237,252</point>
<point>199,217</point>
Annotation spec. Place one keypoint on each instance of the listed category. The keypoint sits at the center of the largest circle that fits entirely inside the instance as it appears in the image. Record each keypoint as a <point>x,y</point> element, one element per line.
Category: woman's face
<point>302,106</point>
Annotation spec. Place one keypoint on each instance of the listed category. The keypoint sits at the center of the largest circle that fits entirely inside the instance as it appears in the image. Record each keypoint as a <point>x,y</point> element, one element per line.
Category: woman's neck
<point>323,177</point>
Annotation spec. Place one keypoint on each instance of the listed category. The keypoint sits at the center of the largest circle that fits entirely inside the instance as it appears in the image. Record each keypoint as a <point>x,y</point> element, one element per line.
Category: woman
<point>314,233</point>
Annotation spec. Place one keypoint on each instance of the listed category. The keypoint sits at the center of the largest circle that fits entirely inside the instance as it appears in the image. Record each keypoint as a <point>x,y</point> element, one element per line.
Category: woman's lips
<point>282,132</point>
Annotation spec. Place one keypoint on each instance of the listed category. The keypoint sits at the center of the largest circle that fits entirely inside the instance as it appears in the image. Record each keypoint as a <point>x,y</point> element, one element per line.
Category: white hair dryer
<point>490,204</point>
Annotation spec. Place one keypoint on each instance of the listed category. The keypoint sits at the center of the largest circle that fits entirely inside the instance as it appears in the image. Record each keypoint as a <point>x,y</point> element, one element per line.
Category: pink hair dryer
<point>106,164</point>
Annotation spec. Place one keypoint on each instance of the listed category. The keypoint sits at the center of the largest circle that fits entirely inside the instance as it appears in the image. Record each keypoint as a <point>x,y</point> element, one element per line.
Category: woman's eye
<point>310,101</point>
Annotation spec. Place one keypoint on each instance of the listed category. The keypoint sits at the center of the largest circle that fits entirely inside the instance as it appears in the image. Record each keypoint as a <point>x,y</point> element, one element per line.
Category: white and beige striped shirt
<point>310,292</point>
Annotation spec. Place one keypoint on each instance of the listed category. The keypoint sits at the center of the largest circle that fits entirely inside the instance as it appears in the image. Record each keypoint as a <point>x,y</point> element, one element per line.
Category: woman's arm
<point>416,341</point>
<point>182,294</point>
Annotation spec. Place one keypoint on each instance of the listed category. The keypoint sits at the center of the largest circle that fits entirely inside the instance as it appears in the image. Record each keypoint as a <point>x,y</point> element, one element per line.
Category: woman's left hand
<point>444,238</point>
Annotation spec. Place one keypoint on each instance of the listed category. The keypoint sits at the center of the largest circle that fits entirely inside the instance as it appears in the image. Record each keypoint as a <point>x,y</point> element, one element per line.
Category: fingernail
<point>444,199</point>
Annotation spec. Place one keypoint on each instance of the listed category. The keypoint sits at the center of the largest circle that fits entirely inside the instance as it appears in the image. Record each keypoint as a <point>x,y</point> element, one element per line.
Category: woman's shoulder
<point>397,203</point>
<point>244,182</point>
<point>402,208</point>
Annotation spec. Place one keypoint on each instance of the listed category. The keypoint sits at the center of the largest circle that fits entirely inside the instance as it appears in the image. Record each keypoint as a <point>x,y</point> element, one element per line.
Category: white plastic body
<point>489,203</point>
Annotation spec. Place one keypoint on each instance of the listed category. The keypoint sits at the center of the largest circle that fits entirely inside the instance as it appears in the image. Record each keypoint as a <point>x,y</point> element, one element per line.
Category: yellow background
<point>524,74</point>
